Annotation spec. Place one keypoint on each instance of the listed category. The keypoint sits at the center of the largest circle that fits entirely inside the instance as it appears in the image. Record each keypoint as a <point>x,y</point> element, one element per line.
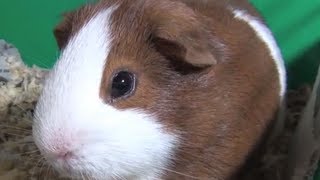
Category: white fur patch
<point>266,36</point>
<point>70,115</point>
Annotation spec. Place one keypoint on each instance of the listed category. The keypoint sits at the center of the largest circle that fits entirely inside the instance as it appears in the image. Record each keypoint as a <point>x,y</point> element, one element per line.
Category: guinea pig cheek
<point>129,141</point>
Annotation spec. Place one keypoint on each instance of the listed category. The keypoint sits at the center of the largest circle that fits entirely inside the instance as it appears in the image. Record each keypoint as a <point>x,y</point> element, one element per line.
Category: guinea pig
<point>150,89</point>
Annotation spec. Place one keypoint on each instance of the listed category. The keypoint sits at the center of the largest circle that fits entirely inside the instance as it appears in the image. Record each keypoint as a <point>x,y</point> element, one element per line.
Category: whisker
<point>179,173</point>
<point>87,176</point>
<point>28,153</point>
<point>25,112</point>
<point>19,143</point>
<point>32,159</point>
<point>15,128</point>
<point>41,168</point>
<point>34,168</point>
<point>13,134</point>
<point>82,176</point>
<point>38,61</point>
<point>121,177</point>
<point>51,172</point>
<point>161,168</point>
<point>47,175</point>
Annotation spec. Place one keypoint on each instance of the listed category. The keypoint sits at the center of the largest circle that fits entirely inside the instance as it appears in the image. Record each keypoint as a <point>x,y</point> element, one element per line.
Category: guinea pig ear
<point>179,34</point>
<point>63,30</point>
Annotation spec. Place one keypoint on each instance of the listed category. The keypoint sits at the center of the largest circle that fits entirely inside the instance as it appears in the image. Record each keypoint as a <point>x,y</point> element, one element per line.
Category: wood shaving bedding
<point>19,158</point>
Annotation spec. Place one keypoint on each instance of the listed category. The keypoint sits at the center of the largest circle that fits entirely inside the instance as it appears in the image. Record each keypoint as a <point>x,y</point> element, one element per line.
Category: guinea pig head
<point>111,106</point>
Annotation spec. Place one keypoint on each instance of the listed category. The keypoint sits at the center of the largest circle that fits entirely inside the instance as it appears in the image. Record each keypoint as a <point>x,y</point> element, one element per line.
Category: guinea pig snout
<point>63,145</point>
<point>61,154</point>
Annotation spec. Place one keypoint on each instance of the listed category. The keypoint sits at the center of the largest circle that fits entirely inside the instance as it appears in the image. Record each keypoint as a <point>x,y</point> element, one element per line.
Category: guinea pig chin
<point>81,135</point>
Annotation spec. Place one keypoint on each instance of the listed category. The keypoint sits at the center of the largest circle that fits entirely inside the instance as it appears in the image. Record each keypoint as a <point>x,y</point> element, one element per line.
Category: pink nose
<point>63,145</point>
<point>60,154</point>
<point>60,149</point>
<point>63,155</point>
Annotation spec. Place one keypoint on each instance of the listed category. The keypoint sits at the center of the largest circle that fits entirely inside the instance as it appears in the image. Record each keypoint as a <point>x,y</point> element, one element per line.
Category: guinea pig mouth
<point>69,170</point>
<point>62,166</point>
<point>65,166</point>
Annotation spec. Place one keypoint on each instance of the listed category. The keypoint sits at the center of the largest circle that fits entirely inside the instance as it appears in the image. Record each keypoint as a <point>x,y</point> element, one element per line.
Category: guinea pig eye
<point>123,84</point>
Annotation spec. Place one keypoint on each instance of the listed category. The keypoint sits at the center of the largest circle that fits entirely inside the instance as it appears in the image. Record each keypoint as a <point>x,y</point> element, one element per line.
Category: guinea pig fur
<point>159,89</point>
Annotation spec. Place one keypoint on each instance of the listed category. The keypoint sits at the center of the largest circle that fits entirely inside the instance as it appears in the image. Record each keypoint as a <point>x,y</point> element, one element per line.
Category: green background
<point>295,23</point>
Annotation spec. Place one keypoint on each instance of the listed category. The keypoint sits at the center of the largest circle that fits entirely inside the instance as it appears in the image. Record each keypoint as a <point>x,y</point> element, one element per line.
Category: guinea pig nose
<point>61,148</point>
<point>62,154</point>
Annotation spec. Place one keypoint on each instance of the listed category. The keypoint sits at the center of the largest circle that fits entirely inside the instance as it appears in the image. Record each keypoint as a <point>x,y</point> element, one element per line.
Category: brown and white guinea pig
<point>150,89</point>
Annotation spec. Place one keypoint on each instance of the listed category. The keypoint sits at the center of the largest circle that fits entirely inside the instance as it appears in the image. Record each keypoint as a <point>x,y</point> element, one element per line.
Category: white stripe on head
<point>81,64</point>
<point>266,36</point>
<point>71,115</point>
